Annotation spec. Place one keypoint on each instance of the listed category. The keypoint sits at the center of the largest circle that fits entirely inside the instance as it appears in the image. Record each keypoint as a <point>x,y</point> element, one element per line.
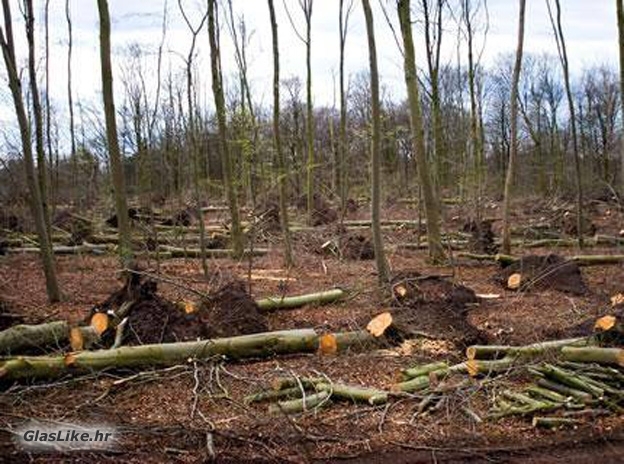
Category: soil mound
<point>230,311</point>
<point>357,246</point>
<point>435,307</point>
<point>482,237</point>
<point>322,212</point>
<point>545,272</point>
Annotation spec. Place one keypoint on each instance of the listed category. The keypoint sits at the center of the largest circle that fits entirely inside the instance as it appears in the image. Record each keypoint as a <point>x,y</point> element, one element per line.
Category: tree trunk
<point>116,163</point>
<point>226,161</point>
<point>277,142</point>
<point>436,252</point>
<point>288,302</point>
<point>620,23</point>
<point>380,256</point>
<point>36,205</point>
<point>563,57</point>
<point>513,152</point>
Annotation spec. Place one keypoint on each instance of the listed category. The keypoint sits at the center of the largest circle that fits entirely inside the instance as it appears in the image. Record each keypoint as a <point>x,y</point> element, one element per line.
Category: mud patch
<point>433,306</point>
<point>545,272</point>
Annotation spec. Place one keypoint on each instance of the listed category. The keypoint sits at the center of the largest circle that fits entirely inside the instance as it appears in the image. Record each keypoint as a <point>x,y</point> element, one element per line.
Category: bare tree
<point>306,8</point>
<point>341,178</point>
<point>380,256</point>
<point>228,175</point>
<point>7,44</point>
<point>29,19</point>
<point>620,22</point>
<point>436,252</point>
<point>277,141</point>
<point>119,183</point>
<point>70,97</point>
<point>191,130</point>
<point>513,152</point>
<point>563,57</point>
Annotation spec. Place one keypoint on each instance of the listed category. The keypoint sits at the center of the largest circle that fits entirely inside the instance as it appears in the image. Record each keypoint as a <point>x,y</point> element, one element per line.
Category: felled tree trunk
<point>23,337</point>
<point>287,302</point>
<point>245,346</point>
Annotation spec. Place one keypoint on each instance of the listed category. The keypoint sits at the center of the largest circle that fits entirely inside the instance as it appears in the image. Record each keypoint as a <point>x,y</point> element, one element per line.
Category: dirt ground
<point>171,414</point>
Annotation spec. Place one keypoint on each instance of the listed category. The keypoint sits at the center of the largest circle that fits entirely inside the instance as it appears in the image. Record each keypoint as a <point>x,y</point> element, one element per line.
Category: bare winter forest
<point>312,231</point>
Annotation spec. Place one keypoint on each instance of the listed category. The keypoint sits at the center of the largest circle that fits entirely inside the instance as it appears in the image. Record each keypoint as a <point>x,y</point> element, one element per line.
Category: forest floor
<point>168,415</point>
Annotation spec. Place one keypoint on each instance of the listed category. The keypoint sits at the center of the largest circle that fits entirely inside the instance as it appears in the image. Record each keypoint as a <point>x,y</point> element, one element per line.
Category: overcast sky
<point>589,26</point>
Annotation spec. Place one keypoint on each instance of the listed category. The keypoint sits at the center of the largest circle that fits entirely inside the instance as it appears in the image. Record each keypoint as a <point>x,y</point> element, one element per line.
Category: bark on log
<point>553,422</point>
<point>288,302</point>
<point>64,250</point>
<point>532,350</point>
<point>22,337</point>
<point>214,253</point>
<point>245,346</point>
<point>594,354</point>
<point>300,405</point>
<point>354,393</point>
<point>581,260</point>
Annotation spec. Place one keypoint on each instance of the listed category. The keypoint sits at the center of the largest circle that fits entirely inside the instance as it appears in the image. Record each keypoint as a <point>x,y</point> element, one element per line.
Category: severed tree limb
<point>300,405</point>
<point>354,393</point>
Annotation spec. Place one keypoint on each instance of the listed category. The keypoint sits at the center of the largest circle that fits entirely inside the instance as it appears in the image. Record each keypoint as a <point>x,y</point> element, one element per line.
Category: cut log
<point>554,422</point>
<point>581,260</point>
<point>289,302</point>
<point>300,405</point>
<point>417,371</point>
<point>83,338</point>
<point>64,250</point>
<point>210,253</point>
<point>272,395</point>
<point>594,354</point>
<point>19,338</point>
<point>534,349</point>
<point>246,346</point>
<point>100,322</point>
<point>514,281</point>
<point>378,325</point>
<point>353,393</point>
<point>333,343</point>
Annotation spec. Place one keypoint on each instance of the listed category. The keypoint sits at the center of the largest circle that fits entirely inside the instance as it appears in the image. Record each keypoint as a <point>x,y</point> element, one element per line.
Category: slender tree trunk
<point>380,256</point>
<point>36,205</point>
<point>116,163</point>
<point>563,57</point>
<point>228,175</point>
<point>53,185</point>
<point>436,252</point>
<point>37,114</point>
<point>192,136</point>
<point>70,100</point>
<point>277,141</point>
<point>620,22</point>
<point>341,177</point>
<point>513,152</point>
<point>307,6</point>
